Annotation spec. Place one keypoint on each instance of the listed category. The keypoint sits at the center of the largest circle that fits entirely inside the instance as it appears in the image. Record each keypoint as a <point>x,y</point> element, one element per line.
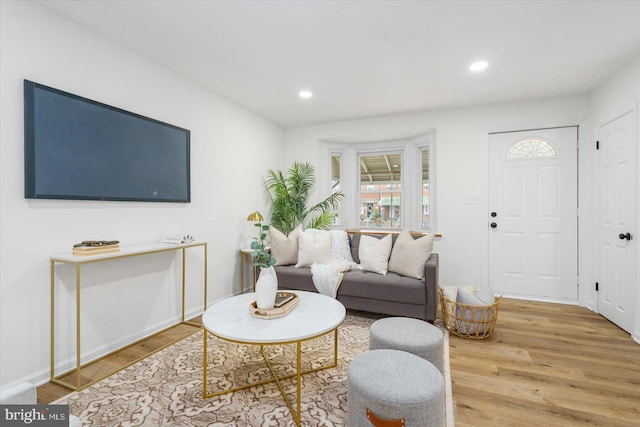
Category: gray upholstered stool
<point>394,386</point>
<point>410,335</point>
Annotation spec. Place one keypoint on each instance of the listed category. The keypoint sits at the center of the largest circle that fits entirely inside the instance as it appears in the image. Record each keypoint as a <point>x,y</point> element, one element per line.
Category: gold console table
<point>245,255</point>
<point>125,252</point>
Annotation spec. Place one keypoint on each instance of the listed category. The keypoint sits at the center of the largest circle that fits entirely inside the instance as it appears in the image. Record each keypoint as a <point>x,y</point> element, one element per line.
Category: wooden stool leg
<point>373,418</point>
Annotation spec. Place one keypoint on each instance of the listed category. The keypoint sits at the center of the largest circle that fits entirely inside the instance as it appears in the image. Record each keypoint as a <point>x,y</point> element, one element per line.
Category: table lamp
<point>255,217</point>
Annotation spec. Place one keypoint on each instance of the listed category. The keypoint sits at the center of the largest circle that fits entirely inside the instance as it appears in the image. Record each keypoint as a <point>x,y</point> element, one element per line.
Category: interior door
<point>616,202</point>
<point>533,241</point>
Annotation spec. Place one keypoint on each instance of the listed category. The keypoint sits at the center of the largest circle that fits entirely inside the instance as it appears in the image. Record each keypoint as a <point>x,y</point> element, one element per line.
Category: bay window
<point>387,184</point>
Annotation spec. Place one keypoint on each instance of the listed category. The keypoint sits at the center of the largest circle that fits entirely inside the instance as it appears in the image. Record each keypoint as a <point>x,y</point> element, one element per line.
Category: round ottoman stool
<point>394,386</point>
<point>410,335</point>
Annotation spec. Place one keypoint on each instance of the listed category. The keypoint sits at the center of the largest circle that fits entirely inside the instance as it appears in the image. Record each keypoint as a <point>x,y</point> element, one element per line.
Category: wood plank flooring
<point>49,392</point>
<point>545,365</point>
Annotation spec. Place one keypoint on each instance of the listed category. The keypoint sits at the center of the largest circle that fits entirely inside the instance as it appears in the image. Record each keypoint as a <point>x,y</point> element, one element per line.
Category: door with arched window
<point>532,218</point>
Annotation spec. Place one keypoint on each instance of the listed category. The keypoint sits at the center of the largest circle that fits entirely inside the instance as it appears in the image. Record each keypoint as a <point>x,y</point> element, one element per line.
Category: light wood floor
<point>545,365</point>
<point>49,392</point>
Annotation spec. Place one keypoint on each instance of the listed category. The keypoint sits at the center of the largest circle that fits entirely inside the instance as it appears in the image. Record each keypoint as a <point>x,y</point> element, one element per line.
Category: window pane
<point>380,190</point>
<point>425,189</point>
<point>531,147</point>
<point>335,182</point>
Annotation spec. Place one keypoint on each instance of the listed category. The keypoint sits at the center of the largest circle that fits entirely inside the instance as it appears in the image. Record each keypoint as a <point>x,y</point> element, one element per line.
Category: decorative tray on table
<point>285,302</point>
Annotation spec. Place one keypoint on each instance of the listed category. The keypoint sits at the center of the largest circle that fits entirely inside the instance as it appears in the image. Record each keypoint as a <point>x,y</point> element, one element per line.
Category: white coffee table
<point>230,320</point>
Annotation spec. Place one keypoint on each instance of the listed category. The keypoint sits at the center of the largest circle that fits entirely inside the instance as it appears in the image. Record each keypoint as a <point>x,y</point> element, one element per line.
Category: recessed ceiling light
<point>479,66</point>
<point>305,94</point>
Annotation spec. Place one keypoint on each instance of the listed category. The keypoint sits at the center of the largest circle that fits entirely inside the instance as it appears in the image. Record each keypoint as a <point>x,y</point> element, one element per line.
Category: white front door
<point>533,241</point>
<point>616,252</point>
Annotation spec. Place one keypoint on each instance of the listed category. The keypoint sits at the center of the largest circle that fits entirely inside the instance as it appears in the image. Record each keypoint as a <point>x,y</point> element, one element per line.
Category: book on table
<point>288,301</point>
<point>97,252</point>
<point>96,247</point>
<point>282,298</point>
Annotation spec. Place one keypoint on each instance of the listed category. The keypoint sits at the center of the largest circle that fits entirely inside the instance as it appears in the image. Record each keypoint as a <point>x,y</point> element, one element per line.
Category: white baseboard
<point>541,299</point>
<point>42,376</point>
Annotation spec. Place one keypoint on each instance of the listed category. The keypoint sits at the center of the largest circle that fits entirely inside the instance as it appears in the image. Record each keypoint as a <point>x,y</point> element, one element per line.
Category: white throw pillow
<point>374,253</point>
<point>409,255</point>
<point>314,246</point>
<point>285,248</point>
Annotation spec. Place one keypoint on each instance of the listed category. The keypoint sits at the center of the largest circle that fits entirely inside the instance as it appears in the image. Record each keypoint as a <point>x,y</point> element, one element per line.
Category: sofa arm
<point>431,283</point>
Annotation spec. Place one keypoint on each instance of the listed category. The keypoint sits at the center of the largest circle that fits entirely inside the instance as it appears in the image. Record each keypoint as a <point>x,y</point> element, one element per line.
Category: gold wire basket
<point>469,321</point>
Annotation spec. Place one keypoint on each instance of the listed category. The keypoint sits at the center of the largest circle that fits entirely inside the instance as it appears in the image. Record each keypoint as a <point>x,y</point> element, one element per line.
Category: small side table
<point>245,254</point>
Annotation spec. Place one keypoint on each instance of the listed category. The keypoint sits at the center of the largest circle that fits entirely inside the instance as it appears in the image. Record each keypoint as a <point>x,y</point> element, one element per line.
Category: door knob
<point>493,225</point>
<point>626,236</point>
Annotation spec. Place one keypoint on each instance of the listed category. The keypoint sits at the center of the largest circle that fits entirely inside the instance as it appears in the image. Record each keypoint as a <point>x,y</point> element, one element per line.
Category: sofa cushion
<point>359,284</point>
<point>285,248</point>
<point>391,287</point>
<point>290,277</point>
<point>314,246</point>
<point>374,254</point>
<point>409,255</point>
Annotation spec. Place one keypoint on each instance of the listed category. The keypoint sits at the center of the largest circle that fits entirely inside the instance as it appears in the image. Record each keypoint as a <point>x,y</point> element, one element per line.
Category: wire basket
<point>467,320</point>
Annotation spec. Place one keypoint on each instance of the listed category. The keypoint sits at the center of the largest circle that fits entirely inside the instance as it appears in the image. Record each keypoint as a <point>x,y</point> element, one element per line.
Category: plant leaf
<point>289,197</point>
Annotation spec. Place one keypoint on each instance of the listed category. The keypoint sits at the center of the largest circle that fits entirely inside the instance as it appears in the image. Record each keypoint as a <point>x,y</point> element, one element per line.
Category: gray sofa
<point>391,294</point>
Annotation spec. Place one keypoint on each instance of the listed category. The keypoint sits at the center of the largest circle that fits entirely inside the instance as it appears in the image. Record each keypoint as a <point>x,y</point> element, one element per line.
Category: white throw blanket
<point>327,277</point>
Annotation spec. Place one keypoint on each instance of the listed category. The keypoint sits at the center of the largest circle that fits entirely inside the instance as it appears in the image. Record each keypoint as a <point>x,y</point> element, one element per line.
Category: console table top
<point>125,251</point>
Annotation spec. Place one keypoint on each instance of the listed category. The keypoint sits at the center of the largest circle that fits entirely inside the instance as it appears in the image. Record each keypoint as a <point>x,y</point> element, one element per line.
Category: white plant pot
<point>266,288</point>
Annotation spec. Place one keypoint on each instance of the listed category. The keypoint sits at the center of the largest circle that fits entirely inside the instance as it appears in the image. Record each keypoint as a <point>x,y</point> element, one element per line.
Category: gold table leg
<point>57,379</point>
<point>295,413</point>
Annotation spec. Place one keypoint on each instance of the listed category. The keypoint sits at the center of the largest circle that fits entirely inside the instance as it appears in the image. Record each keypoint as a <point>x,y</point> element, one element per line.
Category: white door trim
<point>636,332</point>
<point>587,295</point>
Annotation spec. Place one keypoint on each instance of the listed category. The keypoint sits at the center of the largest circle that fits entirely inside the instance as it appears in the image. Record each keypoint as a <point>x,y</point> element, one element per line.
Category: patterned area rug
<point>165,389</point>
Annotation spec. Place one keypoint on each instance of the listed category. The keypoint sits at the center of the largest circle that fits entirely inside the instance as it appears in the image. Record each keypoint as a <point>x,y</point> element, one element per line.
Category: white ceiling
<point>370,58</point>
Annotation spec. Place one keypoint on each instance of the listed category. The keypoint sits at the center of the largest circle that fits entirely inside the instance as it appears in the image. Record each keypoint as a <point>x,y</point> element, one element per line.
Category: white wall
<point>231,148</point>
<point>461,166</point>
<point>614,97</point>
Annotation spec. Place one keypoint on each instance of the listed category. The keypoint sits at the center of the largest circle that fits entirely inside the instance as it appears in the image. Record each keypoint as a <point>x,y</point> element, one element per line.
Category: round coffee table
<point>230,320</point>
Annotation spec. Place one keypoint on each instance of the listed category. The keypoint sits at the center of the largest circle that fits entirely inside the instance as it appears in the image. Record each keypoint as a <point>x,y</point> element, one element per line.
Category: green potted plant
<point>267,283</point>
<point>290,195</point>
<point>259,252</point>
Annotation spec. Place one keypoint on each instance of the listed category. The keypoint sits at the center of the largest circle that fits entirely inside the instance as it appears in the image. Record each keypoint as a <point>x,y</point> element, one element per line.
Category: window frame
<point>553,150</point>
<point>431,175</point>
<point>338,214</point>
